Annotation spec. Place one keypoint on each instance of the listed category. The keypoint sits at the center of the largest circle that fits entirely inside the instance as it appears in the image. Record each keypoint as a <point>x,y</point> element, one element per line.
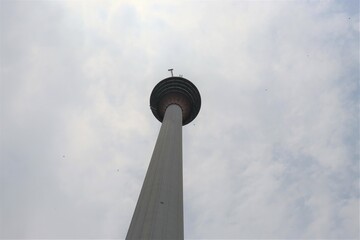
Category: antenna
<point>171,70</point>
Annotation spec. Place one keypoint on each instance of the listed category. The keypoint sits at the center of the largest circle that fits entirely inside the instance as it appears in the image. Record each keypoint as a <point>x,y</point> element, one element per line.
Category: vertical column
<point>159,210</point>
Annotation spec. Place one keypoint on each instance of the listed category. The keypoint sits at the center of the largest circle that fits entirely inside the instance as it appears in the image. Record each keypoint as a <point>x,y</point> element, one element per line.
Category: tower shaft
<point>159,210</point>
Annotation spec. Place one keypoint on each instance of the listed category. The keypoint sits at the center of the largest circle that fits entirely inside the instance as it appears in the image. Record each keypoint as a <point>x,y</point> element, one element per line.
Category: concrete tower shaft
<point>158,214</point>
<point>159,210</point>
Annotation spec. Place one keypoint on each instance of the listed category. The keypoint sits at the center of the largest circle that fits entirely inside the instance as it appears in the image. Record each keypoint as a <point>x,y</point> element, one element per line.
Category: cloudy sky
<point>273,153</point>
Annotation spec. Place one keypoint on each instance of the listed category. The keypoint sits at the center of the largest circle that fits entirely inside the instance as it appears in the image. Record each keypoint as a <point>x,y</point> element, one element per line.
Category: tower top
<point>179,91</point>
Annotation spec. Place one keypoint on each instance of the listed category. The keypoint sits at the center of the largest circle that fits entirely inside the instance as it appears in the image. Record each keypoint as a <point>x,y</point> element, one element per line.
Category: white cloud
<point>273,152</point>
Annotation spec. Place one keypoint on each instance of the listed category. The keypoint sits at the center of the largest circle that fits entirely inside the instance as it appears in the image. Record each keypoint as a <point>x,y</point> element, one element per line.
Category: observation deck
<point>179,91</point>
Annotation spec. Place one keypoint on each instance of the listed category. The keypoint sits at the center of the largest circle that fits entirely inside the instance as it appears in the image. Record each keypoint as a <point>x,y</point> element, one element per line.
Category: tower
<point>175,102</point>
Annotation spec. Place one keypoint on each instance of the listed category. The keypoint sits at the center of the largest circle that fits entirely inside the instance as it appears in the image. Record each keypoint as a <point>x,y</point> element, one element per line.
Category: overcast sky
<point>273,153</point>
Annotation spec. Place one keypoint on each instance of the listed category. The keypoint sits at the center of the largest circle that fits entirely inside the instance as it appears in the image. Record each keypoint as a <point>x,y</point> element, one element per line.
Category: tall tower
<point>175,102</point>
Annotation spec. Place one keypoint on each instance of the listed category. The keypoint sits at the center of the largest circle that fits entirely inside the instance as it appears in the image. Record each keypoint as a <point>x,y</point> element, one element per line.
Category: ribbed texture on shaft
<point>159,210</point>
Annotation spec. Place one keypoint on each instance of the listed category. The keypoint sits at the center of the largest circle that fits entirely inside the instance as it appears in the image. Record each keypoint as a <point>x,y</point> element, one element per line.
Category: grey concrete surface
<point>159,210</point>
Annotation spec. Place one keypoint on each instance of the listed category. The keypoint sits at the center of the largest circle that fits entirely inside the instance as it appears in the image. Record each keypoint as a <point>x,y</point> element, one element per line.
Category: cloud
<point>273,152</point>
